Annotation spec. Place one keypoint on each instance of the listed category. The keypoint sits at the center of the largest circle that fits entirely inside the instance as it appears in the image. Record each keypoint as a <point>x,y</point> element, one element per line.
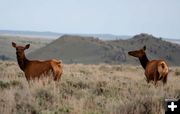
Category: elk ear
<point>144,48</point>
<point>14,44</point>
<point>27,46</point>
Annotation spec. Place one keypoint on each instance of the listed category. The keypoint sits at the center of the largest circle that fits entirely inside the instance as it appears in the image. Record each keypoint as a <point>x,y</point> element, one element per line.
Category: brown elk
<point>155,69</point>
<point>35,68</point>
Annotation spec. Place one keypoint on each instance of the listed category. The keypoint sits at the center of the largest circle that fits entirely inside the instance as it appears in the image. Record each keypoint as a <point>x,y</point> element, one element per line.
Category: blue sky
<point>120,17</point>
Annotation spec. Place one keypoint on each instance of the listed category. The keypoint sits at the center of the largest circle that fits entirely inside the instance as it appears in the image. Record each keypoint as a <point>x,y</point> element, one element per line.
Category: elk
<point>36,68</point>
<point>155,70</point>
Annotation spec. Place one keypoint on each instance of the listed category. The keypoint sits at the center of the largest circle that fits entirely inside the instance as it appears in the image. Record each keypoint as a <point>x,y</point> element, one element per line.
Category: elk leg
<point>147,79</point>
<point>164,79</point>
<point>155,79</point>
<point>56,73</point>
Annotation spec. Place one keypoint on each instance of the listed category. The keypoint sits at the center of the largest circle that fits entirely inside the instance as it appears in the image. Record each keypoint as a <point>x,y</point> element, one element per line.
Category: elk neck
<point>144,60</point>
<point>22,61</point>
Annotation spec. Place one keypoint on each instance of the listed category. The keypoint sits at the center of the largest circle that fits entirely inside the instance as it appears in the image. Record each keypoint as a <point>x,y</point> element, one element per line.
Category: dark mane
<point>144,61</point>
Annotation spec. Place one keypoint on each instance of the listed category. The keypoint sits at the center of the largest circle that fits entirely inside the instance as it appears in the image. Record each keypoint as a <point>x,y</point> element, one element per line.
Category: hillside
<point>157,48</point>
<point>55,35</point>
<point>88,50</point>
<point>7,52</point>
<point>75,49</point>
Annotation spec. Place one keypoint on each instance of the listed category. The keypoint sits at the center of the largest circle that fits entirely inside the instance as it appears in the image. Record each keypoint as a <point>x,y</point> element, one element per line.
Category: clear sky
<point>120,17</point>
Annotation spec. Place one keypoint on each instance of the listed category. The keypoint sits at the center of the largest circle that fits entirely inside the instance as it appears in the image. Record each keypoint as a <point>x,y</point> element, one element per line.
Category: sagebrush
<point>85,89</point>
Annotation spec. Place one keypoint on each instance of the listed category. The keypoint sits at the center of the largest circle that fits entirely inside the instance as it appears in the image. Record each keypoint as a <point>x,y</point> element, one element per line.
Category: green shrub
<point>177,72</point>
<point>4,85</point>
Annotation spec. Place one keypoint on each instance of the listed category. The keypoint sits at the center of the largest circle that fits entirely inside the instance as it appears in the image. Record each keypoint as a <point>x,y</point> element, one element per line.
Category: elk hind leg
<point>155,79</point>
<point>164,79</point>
<point>56,72</point>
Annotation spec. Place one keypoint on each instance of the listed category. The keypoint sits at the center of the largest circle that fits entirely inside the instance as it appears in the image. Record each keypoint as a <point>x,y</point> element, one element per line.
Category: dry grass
<point>85,89</point>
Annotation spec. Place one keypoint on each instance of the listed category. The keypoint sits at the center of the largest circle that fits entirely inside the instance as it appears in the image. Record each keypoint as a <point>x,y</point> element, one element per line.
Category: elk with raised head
<point>35,68</point>
<point>155,69</point>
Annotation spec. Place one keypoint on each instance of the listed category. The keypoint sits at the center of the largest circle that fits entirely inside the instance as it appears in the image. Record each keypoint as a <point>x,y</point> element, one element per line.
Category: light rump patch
<point>35,68</point>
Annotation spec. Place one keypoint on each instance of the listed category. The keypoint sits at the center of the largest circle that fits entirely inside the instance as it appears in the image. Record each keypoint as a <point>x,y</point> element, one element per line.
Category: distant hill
<point>7,52</point>
<point>55,35</point>
<point>30,34</point>
<point>89,50</point>
<point>104,36</point>
<point>74,49</point>
<point>177,41</point>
